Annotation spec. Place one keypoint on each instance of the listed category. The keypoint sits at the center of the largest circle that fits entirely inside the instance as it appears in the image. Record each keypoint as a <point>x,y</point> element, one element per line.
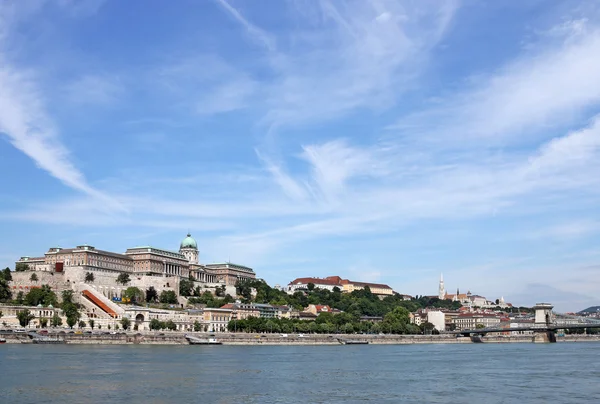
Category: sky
<point>383,141</point>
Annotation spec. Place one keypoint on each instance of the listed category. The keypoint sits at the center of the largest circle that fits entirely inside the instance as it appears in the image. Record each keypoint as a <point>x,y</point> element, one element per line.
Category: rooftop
<point>229,265</point>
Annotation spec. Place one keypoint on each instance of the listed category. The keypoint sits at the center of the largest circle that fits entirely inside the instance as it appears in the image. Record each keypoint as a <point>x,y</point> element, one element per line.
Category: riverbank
<point>174,338</point>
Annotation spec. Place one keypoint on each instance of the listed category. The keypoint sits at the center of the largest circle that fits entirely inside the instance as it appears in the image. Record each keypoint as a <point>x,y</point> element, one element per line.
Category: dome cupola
<point>189,242</point>
<point>189,248</point>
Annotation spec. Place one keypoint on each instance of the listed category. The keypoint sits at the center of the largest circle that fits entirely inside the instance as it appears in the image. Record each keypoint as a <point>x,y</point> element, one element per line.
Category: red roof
<point>316,281</point>
<point>336,281</point>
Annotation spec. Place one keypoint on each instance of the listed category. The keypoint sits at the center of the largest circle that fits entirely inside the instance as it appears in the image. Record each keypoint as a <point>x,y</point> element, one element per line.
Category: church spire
<point>442,289</point>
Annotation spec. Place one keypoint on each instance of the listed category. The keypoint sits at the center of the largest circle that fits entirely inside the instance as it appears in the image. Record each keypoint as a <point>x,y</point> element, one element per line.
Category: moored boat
<point>202,341</point>
<point>352,342</point>
<point>48,340</point>
<point>2,341</point>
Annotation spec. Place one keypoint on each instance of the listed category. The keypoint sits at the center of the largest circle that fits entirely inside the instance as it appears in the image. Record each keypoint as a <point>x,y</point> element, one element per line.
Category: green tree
<point>55,321</point>
<point>479,326</point>
<point>91,323</point>
<point>311,286</point>
<point>6,274</point>
<point>197,326</point>
<point>67,297</point>
<point>20,297</point>
<point>168,296</point>
<point>126,323</point>
<point>123,278</point>
<point>21,267</point>
<point>44,296</point>
<point>427,327</point>
<point>155,324</point>
<point>33,277</point>
<point>89,277</point>
<point>151,294</point>
<point>81,324</point>
<point>43,322</point>
<point>170,325</point>
<point>70,310</point>
<point>25,317</point>
<point>186,287</point>
<point>71,321</point>
<point>220,291</point>
<point>243,288</point>
<point>134,294</point>
<point>5,292</point>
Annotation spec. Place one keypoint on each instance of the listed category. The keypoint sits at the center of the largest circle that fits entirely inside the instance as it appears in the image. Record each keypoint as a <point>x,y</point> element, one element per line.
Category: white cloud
<point>334,163</point>
<point>207,82</point>
<point>253,31</point>
<point>23,118</point>
<point>95,89</point>
<point>289,186</point>
<point>229,96</point>
<point>540,91</point>
<point>345,56</point>
<point>577,150</point>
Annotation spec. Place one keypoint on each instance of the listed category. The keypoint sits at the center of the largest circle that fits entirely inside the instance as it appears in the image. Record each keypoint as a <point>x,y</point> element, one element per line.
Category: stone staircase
<point>97,303</point>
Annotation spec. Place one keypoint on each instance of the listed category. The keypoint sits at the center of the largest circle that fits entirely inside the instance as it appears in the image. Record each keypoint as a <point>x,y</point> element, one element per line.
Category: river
<point>453,373</point>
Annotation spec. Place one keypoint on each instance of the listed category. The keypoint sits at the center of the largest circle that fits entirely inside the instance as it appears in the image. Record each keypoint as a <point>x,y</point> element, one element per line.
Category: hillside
<point>592,309</point>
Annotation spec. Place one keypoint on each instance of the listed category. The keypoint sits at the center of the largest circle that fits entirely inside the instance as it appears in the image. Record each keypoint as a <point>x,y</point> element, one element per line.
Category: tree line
<point>358,303</point>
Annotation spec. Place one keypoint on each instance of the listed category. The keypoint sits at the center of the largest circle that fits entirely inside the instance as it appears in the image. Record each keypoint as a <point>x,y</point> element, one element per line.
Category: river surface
<point>475,373</point>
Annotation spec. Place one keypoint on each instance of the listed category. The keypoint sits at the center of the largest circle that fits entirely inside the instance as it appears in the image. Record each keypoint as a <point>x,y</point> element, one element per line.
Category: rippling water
<point>478,373</point>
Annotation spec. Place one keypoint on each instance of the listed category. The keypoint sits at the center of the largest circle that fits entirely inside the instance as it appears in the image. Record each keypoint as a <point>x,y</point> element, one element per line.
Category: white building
<point>438,319</point>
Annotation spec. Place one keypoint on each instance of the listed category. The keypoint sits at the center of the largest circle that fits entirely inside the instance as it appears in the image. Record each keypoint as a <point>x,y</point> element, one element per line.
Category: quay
<point>176,338</point>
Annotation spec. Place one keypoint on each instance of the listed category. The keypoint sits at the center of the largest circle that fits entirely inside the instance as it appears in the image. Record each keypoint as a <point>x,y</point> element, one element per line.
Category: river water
<point>477,373</point>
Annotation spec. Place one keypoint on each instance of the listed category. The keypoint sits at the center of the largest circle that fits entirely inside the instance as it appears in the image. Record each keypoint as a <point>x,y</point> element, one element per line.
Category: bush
<point>123,279</point>
<point>168,296</point>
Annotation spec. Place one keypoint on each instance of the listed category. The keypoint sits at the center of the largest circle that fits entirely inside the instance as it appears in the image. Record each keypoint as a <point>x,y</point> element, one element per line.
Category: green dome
<point>188,242</point>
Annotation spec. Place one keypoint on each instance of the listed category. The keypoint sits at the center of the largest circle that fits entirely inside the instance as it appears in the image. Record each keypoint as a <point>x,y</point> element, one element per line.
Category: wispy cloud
<point>23,118</point>
<point>334,163</point>
<point>227,97</point>
<point>546,87</point>
<point>289,186</point>
<point>355,55</point>
<point>95,89</point>
<point>253,31</point>
<point>340,57</point>
<point>206,84</point>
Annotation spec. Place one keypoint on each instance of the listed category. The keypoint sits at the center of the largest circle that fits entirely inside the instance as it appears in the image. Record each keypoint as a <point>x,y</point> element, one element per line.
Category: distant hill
<point>592,309</point>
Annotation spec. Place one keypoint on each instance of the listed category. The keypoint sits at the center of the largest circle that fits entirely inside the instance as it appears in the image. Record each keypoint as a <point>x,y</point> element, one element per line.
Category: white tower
<point>189,248</point>
<point>442,289</point>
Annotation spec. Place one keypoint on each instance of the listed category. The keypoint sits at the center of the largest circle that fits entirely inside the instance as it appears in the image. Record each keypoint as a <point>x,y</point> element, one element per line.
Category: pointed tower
<point>442,289</point>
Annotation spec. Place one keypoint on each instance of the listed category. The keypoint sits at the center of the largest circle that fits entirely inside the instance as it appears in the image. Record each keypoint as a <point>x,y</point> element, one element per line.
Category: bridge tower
<point>543,320</point>
<point>543,314</point>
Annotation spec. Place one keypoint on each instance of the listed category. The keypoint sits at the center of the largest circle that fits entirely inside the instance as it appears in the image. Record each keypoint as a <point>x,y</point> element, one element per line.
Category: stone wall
<point>104,282</point>
<point>178,338</point>
<point>21,282</point>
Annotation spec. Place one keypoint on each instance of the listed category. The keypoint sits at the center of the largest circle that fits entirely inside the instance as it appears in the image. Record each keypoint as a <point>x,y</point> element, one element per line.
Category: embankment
<point>174,338</point>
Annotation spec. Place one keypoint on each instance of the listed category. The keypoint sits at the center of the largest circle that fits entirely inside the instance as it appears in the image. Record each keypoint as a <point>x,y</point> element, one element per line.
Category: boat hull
<point>49,341</point>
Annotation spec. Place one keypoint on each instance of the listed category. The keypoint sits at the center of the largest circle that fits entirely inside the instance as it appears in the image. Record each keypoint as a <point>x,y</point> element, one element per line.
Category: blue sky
<point>385,141</point>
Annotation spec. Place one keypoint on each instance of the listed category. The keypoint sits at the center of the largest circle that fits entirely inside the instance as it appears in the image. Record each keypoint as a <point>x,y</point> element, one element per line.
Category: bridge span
<point>544,328</point>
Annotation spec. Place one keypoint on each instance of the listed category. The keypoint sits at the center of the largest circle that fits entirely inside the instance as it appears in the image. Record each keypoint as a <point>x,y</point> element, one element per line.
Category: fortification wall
<point>21,282</point>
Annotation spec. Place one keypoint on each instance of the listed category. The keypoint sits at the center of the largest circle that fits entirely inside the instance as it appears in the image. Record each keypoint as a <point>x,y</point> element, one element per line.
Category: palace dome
<point>189,242</point>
